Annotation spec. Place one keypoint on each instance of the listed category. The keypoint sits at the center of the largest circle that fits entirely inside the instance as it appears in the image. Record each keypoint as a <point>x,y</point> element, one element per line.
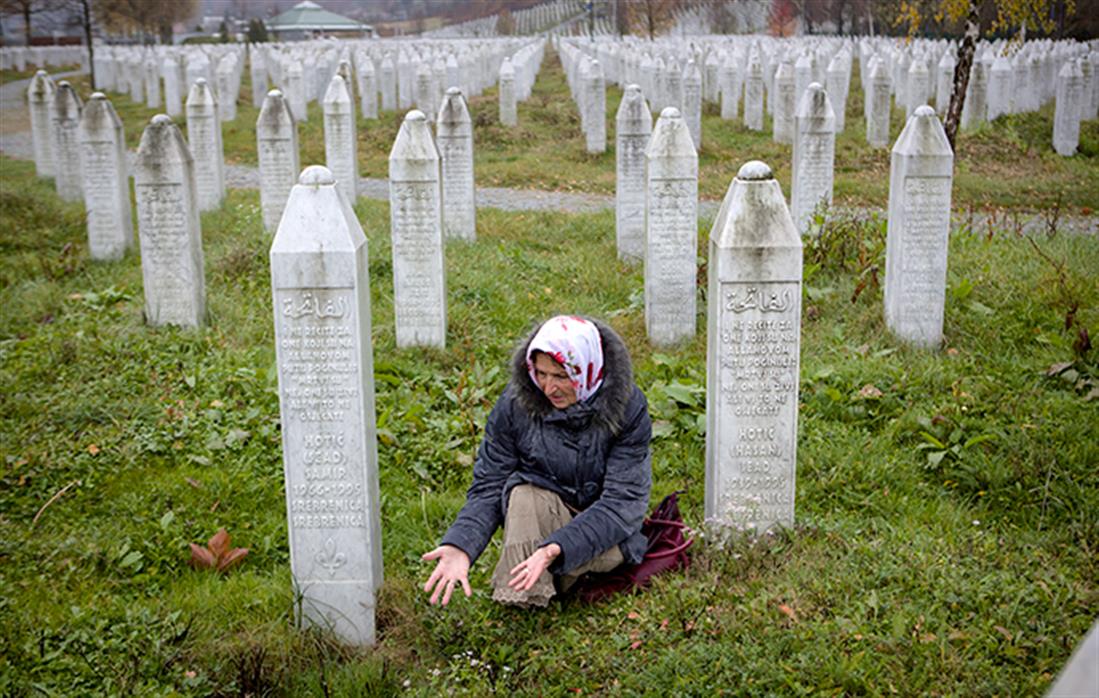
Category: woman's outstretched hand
<point>452,568</point>
<point>527,572</point>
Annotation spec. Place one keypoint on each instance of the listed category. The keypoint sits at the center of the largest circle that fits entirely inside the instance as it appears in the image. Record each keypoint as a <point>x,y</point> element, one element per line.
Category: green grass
<point>975,574</point>
<point>1008,164</point>
<point>11,75</point>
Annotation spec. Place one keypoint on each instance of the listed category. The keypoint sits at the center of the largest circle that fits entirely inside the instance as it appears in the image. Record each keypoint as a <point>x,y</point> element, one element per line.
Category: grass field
<point>946,538</point>
<point>1008,164</point>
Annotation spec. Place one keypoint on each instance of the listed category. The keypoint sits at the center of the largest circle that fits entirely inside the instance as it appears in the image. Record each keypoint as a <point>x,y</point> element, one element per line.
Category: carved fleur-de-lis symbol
<point>329,558</point>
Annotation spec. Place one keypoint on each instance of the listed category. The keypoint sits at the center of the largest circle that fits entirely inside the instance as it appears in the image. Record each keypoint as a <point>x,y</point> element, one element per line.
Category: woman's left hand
<point>527,572</point>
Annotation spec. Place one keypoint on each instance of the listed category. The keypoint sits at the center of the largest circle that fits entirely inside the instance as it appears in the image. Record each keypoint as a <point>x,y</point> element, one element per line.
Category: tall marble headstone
<point>320,285</point>
<point>753,336</point>
<point>944,82</point>
<point>692,102</point>
<point>40,98</point>
<point>595,109</point>
<point>168,227</point>
<point>814,156</point>
<point>508,112</point>
<point>877,102</point>
<point>204,137</point>
<point>277,146</point>
<point>454,131</point>
<point>671,226</point>
<point>920,179</point>
<point>633,128</point>
<point>753,94</point>
<point>65,125</point>
<point>419,270</point>
<point>1067,110</point>
<point>173,97</point>
<point>340,144</point>
<point>103,165</point>
<point>786,103</point>
<point>389,84</point>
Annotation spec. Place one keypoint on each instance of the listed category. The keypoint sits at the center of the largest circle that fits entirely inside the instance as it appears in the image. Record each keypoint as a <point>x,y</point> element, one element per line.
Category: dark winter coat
<point>595,455</point>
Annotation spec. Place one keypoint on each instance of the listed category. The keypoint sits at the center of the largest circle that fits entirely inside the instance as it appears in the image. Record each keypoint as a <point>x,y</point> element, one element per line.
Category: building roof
<point>309,16</point>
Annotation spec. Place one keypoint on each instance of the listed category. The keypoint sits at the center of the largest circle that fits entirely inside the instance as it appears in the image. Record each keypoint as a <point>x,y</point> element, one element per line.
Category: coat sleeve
<point>497,458</point>
<point>621,508</point>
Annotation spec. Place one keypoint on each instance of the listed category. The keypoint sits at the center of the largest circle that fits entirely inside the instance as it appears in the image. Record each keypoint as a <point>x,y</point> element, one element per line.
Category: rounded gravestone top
<point>97,96</point>
<point>755,171</point>
<point>924,110</point>
<point>161,120</point>
<point>453,91</point>
<point>275,93</point>
<point>633,88</point>
<point>64,83</point>
<point>316,175</point>
<point>42,73</point>
<point>670,113</point>
<point>815,86</point>
<point>415,115</point>
<point>200,81</point>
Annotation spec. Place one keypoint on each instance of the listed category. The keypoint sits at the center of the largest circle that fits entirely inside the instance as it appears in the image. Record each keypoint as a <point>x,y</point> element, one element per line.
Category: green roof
<point>309,16</point>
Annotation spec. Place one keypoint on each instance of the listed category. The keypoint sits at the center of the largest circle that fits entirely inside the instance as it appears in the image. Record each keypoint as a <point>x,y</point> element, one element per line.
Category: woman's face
<point>554,381</point>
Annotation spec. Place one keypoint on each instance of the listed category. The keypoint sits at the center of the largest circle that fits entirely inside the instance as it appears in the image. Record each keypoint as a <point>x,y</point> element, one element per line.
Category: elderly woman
<point>564,466</point>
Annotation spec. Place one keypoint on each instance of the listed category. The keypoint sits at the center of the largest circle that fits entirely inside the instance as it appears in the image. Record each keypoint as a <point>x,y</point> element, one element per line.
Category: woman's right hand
<point>453,567</point>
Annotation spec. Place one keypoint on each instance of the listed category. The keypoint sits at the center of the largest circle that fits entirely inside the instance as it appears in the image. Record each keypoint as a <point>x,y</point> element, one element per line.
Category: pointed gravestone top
<point>336,94</point>
<point>815,106</point>
<point>316,176</point>
<point>755,171</point>
<point>754,212</point>
<point>670,136</point>
<point>413,148</point>
<point>923,135</point>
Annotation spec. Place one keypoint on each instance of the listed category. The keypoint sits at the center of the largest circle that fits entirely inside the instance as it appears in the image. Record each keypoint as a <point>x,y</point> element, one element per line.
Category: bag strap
<point>671,551</point>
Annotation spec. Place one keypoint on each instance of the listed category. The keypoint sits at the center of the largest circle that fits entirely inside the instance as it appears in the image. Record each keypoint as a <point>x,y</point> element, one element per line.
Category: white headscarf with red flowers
<point>574,343</point>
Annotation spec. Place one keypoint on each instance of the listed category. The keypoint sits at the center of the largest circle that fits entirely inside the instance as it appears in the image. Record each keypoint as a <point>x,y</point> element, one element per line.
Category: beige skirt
<point>533,514</point>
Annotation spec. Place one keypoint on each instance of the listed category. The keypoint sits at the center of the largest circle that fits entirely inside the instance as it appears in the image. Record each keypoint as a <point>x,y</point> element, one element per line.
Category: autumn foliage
<point>217,555</point>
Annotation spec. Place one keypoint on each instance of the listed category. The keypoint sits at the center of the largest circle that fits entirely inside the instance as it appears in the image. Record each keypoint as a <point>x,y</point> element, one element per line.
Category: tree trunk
<point>85,6</point>
<point>27,24</point>
<point>961,73</point>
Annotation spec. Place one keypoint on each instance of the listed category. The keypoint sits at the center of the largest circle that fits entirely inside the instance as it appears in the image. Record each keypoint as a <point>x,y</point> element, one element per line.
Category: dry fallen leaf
<point>870,391</point>
<point>635,645</point>
<point>1004,631</point>
<point>93,449</point>
<point>789,612</point>
<point>633,615</point>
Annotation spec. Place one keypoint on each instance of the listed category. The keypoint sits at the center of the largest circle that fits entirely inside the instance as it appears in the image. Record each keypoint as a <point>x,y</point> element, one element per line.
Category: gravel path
<point>18,145</point>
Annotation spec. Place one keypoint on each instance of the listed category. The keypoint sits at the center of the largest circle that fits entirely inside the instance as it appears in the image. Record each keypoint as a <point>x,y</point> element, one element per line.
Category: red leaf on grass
<point>789,612</point>
<point>219,543</point>
<point>231,558</point>
<point>202,558</point>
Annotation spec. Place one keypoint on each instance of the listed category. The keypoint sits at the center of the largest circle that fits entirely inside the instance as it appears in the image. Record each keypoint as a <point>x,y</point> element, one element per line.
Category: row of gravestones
<point>774,73</point>
<point>387,74</point>
<point>19,57</point>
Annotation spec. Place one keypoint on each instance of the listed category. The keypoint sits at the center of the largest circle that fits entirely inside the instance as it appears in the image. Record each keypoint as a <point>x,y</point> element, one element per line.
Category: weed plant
<point>946,506</point>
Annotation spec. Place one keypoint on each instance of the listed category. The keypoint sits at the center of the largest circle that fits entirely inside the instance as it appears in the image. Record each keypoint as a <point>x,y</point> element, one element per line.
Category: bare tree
<point>149,18</point>
<point>652,17</point>
<point>26,9</point>
<point>961,73</point>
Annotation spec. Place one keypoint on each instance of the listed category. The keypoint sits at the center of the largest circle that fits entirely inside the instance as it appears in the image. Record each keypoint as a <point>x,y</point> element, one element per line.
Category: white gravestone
<point>106,182</point>
<point>975,110</point>
<point>692,102</point>
<point>368,89</point>
<point>40,98</point>
<point>753,337</point>
<point>595,108</point>
<point>259,78</point>
<point>877,113</point>
<point>920,178</point>
<point>295,91</point>
<point>508,112</point>
<point>173,99</point>
<point>168,227</point>
<point>1066,115</point>
<point>837,79</point>
<point>389,84</point>
<point>633,128</point>
<point>204,137</point>
<point>814,156</point>
<point>944,82</point>
<point>65,125</point>
<point>419,270</point>
<point>152,82</point>
<point>919,79</point>
<point>671,231</point>
<point>340,144</point>
<point>730,89</point>
<point>320,285</point>
<point>277,147</point>
<point>753,94</point>
<point>786,104</point>
<point>454,131</point>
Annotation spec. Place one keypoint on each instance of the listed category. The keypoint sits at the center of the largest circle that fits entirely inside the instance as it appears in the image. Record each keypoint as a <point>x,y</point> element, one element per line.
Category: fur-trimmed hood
<point>607,406</point>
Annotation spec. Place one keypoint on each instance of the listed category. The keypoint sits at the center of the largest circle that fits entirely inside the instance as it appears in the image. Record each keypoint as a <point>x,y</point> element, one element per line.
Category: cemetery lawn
<point>947,534</point>
<point>12,75</point>
<point>1007,164</point>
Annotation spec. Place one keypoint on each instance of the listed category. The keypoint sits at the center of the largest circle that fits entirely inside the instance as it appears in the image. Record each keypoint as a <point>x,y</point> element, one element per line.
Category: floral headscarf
<point>574,343</point>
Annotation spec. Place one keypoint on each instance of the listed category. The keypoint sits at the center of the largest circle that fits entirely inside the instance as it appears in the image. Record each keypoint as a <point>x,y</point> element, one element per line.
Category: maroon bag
<point>667,551</point>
